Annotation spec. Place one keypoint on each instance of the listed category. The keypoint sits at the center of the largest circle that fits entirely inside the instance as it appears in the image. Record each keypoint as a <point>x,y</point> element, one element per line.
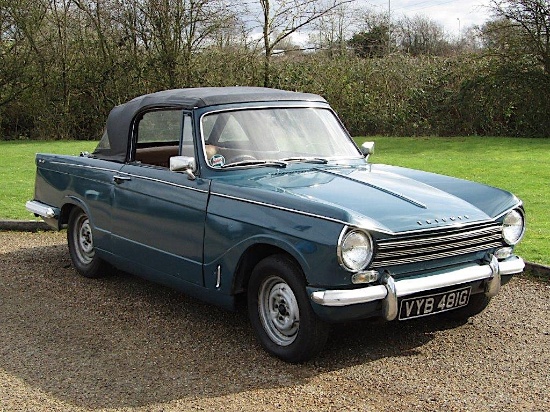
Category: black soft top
<point>114,143</point>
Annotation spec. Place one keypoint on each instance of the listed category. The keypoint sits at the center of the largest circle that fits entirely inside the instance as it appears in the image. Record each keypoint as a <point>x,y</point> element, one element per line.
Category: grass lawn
<point>17,170</point>
<point>521,166</point>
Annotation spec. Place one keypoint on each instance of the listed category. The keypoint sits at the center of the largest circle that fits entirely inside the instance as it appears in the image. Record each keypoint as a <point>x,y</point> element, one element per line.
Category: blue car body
<point>204,228</point>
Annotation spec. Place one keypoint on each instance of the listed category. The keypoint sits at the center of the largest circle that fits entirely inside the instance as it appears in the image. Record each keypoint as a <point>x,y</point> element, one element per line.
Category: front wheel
<point>280,312</point>
<point>81,246</point>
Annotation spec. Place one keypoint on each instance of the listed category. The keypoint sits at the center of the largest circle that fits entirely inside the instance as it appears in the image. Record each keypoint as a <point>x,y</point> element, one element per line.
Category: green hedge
<point>395,95</point>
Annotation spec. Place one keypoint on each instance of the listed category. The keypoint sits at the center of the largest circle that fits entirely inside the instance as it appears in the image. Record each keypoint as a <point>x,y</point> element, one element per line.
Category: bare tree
<point>281,18</point>
<point>332,30</point>
<point>372,36</point>
<point>170,32</point>
<point>421,35</point>
<point>232,34</point>
<point>532,18</point>
<point>471,39</point>
<point>21,41</point>
<point>15,51</point>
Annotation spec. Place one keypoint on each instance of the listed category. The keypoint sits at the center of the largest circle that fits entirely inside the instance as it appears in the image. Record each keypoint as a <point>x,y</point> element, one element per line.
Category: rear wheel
<point>477,304</point>
<point>81,246</point>
<point>280,312</point>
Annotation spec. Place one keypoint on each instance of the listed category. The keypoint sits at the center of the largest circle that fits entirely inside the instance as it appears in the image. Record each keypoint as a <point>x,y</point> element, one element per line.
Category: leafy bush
<point>393,95</point>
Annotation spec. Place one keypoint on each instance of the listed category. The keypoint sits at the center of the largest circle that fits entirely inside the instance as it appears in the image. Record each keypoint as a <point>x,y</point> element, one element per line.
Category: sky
<point>449,13</point>
<point>455,16</point>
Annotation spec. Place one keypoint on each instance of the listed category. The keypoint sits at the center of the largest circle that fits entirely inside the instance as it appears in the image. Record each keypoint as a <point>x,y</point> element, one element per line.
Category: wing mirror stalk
<point>367,149</point>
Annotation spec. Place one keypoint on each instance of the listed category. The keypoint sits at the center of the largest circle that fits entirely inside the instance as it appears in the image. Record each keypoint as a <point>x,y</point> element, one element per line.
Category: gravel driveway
<point>120,343</point>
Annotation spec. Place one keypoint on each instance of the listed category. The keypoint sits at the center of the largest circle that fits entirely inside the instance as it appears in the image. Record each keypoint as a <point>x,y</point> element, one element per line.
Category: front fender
<point>310,241</point>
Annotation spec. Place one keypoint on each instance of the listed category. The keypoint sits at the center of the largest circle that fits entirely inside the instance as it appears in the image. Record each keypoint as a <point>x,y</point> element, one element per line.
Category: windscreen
<point>274,134</point>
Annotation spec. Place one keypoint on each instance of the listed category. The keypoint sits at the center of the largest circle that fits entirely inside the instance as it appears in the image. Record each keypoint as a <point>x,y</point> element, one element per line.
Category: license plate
<point>431,304</point>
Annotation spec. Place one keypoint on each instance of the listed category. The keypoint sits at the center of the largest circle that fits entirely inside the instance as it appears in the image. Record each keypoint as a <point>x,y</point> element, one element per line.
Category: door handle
<point>121,179</point>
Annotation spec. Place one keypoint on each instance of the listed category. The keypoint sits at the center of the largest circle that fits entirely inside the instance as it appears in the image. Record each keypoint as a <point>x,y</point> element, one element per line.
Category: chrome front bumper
<point>390,289</point>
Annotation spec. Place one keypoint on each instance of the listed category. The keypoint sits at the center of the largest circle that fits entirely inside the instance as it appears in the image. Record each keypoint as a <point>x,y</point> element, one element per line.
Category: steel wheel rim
<point>279,311</point>
<point>84,240</point>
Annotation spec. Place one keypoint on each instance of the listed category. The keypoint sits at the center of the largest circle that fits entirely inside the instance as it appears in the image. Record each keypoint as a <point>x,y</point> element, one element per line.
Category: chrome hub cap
<point>84,240</point>
<point>278,311</point>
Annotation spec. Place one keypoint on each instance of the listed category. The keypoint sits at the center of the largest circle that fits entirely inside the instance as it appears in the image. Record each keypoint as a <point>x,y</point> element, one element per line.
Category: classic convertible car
<point>262,193</point>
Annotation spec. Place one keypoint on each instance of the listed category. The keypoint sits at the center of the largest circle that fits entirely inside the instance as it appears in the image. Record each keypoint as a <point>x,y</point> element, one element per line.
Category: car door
<point>158,215</point>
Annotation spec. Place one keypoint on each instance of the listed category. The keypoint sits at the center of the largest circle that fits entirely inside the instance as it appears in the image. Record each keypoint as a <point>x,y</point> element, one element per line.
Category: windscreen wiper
<point>318,160</point>
<point>265,163</point>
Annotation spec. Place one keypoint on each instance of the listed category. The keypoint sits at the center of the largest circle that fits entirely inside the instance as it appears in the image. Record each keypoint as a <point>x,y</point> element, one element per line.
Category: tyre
<point>477,304</point>
<point>81,246</point>
<point>280,313</point>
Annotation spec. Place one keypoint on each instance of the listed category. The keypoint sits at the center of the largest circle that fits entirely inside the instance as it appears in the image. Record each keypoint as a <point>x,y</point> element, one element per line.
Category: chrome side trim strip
<point>406,287</point>
<point>41,209</point>
<point>152,179</point>
<point>102,169</point>
<point>286,209</point>
<point>119,173</point>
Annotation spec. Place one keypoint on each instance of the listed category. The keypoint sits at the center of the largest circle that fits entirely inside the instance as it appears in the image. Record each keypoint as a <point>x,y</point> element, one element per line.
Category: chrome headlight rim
<point>512,215</point>
<point>344,262</point>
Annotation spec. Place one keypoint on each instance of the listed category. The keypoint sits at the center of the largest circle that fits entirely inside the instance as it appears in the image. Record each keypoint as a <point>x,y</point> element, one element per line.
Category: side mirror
<point>367,148</point>
<point>184,164</point>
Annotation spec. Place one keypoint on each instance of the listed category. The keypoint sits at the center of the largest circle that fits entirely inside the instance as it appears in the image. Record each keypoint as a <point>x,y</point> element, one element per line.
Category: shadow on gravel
<point>121,342</point>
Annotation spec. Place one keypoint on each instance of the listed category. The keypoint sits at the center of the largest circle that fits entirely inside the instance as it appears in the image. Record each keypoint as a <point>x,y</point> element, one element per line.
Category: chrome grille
<point>433,245</point>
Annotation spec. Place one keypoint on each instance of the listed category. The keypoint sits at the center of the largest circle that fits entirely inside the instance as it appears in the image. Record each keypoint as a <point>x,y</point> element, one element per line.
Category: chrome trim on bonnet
<point>390,289</point>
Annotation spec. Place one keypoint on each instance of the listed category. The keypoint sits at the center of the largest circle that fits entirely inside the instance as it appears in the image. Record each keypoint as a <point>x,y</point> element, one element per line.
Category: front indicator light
<point>503,253</point>
<point>368,276</point>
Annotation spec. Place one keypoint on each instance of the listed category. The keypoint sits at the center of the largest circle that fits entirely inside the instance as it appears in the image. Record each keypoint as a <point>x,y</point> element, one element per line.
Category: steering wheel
<point>241,158</point>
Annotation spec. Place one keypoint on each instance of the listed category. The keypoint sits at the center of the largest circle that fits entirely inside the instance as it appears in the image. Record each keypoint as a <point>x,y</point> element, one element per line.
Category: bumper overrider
<point>390,290</point>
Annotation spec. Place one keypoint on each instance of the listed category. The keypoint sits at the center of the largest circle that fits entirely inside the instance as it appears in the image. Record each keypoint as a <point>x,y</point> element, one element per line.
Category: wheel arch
<point>251,257</point>
<point>68,206</point>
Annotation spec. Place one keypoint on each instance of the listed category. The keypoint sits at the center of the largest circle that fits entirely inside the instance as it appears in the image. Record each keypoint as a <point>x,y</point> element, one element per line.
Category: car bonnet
<point>385,198</point>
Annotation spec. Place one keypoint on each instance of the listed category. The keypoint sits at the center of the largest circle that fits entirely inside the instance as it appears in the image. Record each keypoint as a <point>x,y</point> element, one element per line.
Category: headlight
<point>355,250</point>
<point>513,227</point>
